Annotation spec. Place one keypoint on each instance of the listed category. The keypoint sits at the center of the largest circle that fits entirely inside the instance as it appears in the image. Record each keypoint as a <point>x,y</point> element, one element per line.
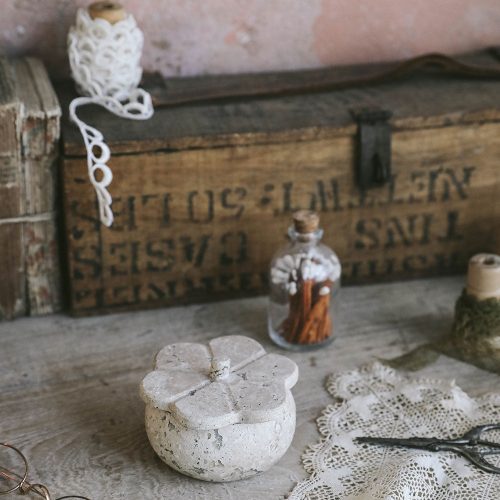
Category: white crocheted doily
<point>378,401</point>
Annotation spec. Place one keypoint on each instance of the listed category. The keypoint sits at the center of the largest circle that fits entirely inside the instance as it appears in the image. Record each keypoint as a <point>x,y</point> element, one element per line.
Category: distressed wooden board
<point>70,387</point>
<point>13,301</point>
<point>422,101</point>
<point>11,182</point>
<point>29,133</point>
<point>29,267</point>
<point>50,130</point>
<point>40,133</point>
<point>43,269</point>
<point>198,224</point>
<point>41,190</point>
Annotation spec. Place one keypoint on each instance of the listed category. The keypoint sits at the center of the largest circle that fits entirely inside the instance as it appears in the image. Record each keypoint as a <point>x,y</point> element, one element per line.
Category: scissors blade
<point>432,444</point>
<point>419,443</point>
<point>482,463</point>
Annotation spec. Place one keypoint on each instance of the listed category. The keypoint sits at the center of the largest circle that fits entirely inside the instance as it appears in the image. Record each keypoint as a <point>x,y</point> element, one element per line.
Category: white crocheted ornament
<point>105,64</point>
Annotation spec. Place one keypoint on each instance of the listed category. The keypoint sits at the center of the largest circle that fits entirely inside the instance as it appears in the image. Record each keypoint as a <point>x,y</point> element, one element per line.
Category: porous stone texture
<point>228,453</point>
<point>222,411</point>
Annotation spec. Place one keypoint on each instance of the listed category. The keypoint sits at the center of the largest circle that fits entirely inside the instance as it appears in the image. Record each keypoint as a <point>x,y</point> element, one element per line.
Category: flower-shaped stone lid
<point>230,380</point>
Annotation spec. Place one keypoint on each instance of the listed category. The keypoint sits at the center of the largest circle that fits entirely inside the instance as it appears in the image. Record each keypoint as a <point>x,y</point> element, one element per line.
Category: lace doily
<point>378,401</point>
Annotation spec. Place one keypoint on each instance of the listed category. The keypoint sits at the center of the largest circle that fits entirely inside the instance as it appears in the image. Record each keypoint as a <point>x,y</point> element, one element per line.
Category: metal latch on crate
<point>373,144</point>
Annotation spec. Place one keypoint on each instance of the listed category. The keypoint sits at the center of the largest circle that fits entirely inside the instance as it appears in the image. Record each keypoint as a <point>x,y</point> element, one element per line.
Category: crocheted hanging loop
<point>105,64</point>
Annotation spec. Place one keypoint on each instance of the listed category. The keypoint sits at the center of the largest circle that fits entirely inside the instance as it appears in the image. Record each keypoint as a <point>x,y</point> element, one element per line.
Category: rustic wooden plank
<point>29,132</point>
<point>70,387</point>
<point>41,184</point>
<point>49,103</point>
<point>33,116</point>
<point>189,90</point>
<point>9,125</point>
<point>40,157</point>
<point>39,134</point>
<point>43,269</point>
<point>11,182</point>
<point>422,101</point>
<point>205,223</point>
<point>12,289</point>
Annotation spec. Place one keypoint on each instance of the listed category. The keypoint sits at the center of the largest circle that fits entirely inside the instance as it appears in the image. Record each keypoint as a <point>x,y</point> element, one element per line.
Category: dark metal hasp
<point>373,164</point>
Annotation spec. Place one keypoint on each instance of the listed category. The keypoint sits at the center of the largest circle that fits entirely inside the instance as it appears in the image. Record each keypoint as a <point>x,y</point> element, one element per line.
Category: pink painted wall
<point>186,37</point>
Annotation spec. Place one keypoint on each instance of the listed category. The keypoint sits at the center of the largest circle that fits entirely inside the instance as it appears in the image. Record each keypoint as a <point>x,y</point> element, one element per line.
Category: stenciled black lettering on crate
<point>198,216</point>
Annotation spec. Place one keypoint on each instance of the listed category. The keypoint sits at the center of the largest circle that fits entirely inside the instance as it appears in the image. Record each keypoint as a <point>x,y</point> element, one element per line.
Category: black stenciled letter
<point>192,195</point>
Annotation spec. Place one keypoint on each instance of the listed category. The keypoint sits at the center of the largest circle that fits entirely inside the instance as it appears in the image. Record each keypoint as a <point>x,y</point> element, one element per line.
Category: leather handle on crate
<point>288,83</point>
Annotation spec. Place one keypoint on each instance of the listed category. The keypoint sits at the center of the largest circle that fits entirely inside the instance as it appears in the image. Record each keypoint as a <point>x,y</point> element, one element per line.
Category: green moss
<point>475,334</point>
<point>414,360</point>
<point>474,338</point>
<point>476,319</point>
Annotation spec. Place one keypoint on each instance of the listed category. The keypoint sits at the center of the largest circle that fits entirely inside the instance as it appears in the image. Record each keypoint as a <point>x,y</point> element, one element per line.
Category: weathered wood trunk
<point>203,193</point>
<point>29,134</point>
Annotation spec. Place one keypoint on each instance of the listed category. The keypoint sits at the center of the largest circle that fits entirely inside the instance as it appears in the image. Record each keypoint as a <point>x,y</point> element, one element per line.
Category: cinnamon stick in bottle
<point>305,276</point>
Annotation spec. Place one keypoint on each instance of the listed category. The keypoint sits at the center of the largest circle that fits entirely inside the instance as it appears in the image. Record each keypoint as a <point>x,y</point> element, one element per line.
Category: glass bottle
<point>305,282</point>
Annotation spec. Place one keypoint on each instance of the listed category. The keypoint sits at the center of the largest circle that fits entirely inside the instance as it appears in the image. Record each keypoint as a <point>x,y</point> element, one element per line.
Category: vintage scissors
<point>470,445</point>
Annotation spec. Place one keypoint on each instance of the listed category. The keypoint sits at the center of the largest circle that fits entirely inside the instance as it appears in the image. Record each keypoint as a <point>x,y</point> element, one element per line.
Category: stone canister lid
<point>231,380</point>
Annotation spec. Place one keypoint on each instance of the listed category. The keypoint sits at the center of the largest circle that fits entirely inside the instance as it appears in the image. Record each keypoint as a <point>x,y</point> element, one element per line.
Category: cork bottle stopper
<point>483,276</point>
<point>108,10</point>
<point>305,221</point>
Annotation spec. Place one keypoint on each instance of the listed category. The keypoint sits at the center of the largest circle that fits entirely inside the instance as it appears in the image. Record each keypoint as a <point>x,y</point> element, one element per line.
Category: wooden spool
<point>112,12</point>
<point>483,276</point>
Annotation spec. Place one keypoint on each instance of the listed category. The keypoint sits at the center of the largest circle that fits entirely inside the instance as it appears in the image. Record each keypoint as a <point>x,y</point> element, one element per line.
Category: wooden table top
<point>69,387</point>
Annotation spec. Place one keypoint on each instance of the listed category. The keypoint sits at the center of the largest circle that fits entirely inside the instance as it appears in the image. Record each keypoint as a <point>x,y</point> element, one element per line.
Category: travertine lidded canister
<point>222,411</point>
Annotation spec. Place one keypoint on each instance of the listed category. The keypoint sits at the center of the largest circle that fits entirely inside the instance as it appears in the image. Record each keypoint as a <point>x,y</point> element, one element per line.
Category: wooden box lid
<point>190,113</point>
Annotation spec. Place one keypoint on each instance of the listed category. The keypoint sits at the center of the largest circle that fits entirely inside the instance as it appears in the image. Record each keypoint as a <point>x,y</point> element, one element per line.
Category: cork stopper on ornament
<point>483,276</point>
<point>305,221</point>
<point>112,12</point>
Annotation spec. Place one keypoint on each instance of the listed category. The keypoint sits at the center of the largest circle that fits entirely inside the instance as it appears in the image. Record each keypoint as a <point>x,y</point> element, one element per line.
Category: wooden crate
<point>29,136</point>
<point>203,193</point>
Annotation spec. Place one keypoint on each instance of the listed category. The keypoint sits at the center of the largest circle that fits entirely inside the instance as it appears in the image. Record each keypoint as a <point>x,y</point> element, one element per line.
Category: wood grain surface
<point>204,224</point>
<point>203,193</point>
<point>29,139</point>
<point>425,100</point>
<point>69,387</point>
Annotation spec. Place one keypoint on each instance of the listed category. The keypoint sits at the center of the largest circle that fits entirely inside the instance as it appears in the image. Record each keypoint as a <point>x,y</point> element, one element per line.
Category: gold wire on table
<point>22,486</point>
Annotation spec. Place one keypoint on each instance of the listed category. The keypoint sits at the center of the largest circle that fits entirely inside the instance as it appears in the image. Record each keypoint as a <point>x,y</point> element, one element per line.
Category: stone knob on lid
<point>219,368</point>
<point>483,276</point>
<point>112,12</point>
<point>305,221</point>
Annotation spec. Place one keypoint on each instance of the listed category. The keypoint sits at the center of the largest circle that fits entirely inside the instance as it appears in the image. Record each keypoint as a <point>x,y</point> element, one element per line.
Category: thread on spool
<point>483,276</point>
<point>104,58</point>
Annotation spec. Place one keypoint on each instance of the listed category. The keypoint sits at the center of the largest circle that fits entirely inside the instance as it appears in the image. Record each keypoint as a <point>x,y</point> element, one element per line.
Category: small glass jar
<point>305,282</point>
